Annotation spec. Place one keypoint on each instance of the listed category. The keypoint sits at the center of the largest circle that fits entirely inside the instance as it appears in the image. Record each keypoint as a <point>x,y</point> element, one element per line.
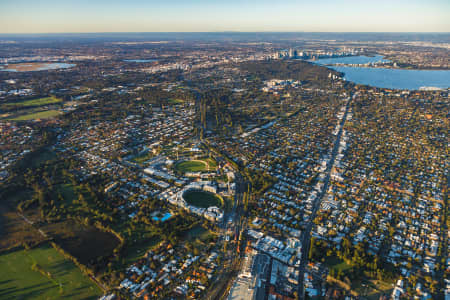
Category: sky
<point>52,16</point>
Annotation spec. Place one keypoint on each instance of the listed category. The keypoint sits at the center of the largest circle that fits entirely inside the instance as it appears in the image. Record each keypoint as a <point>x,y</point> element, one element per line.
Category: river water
<point>387,78</point>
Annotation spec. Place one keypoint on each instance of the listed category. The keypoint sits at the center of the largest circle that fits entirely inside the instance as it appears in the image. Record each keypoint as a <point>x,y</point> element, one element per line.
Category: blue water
<point>50,66</point>
<point>351,60</point>
<point>387,78</point>
<point>140,60</point>
<point>164,218</point>
<point>55,66</point>
<point>396,78</point>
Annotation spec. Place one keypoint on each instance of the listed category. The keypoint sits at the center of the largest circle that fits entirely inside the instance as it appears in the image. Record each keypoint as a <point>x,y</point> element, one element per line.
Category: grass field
<point>33,102</point>
<point>196,165</point>
<point>63,280</point>
<point>202,199</point>
<point>36,115</point>
<point>191,166</point>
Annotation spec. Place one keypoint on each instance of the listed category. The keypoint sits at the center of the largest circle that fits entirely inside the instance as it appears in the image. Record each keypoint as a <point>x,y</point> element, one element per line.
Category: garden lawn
<point>33,102</point>
<point>37,115</point>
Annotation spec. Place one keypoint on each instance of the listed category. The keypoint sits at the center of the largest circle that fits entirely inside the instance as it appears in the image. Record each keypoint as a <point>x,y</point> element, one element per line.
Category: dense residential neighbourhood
<point>221,169</point>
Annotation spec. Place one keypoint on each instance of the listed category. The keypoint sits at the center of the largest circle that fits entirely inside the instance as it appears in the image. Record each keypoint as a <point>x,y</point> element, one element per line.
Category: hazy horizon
<point>102,16</point>
<point>223,31</point>
<point>230,36</point>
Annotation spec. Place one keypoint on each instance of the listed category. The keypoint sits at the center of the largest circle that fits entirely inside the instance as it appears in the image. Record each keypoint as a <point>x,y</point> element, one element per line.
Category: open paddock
<point>43,273</point>
<point>48,114</point>
<point>32,102</point>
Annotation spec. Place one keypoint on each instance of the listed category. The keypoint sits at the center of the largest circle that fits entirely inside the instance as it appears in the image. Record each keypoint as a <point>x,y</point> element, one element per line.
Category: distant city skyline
<point>49,16</point>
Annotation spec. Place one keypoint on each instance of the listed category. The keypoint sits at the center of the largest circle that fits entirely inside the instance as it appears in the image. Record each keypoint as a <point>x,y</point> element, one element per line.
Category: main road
<point>306,237</point>
<point>233,224</point>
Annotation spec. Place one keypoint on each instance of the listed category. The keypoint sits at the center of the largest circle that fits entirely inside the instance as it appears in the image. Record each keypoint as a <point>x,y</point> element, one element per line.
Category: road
<point>306,238</point>
<point>232,223</point>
